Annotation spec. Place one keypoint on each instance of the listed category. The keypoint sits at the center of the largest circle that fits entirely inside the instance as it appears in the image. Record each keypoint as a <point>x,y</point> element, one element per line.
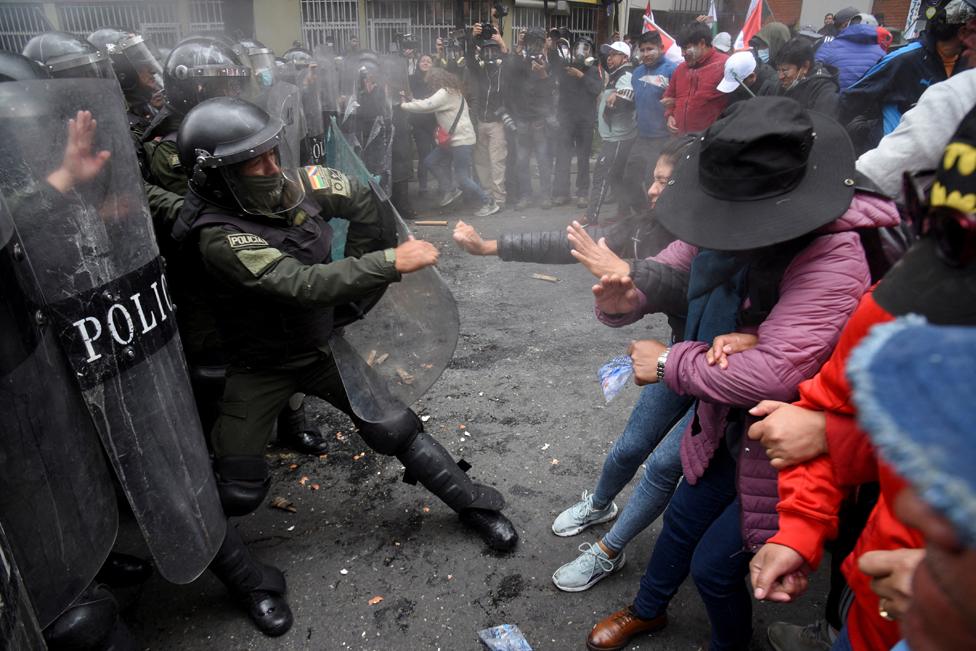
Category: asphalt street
<point>375,564</point>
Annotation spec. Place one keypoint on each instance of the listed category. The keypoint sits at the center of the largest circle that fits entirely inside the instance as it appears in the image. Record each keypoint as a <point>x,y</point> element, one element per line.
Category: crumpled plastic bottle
<point>506,637</point>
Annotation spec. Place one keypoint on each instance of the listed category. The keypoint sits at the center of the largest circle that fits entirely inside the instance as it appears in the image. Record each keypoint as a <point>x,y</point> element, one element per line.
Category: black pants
<point>640,170</point>
<point>609,172</point>
<point>576,139</point>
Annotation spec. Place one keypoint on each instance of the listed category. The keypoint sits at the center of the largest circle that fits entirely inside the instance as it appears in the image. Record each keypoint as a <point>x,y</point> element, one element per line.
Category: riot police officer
<point>138,72</point>
<point>260,238</point>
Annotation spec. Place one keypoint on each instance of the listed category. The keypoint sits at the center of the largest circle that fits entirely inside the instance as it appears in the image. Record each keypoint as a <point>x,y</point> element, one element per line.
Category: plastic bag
<point>614,375</point>
<point>506,637</point>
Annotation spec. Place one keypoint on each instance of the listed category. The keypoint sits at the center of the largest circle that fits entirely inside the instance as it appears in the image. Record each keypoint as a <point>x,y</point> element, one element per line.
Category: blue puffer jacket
<point>852,52</point>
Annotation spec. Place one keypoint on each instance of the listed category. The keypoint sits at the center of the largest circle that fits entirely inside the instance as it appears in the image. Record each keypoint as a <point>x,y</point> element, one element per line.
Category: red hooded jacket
<point>698,101</point>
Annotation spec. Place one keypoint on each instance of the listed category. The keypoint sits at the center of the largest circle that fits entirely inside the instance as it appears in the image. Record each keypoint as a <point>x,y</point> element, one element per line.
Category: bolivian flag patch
<point>326,179</point>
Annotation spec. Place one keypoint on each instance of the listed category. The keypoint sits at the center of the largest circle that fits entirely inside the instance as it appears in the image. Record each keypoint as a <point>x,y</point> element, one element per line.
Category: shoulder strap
<point>457,118</point>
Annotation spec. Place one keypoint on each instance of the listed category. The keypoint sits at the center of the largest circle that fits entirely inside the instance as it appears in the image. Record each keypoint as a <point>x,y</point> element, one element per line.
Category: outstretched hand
<point>80,163</point>
<point>616,294</point>
<point>595,256</point>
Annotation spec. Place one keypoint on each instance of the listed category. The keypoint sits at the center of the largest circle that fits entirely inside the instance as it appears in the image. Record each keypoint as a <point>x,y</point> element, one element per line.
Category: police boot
<point>124,571</point>
<point>91,622</point>
<point>295,433</point>
<point>242,483</point>
<point>259,588</point>
<point>426,461</point>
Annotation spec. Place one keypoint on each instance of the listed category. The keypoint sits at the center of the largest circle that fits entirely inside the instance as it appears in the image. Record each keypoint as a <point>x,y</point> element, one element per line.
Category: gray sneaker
<point>793,637</point>
<point>450,197</point>
<point>591,566</point>
<point>582,515</point>
<point>489,208</point>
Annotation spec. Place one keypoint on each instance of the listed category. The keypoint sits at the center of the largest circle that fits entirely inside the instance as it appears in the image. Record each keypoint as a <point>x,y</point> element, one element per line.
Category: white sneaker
<point>450,197</point>
<point>582,515</point>
<point>590,567</point>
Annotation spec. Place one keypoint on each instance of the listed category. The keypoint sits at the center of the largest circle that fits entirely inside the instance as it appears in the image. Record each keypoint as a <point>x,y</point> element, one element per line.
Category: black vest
<point>258,330</point>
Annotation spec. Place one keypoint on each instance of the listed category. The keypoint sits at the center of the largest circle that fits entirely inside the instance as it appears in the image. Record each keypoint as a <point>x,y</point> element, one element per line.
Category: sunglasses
<point>954,231</point>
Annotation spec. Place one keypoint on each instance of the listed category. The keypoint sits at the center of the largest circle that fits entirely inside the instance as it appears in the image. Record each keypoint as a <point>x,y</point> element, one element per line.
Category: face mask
<point>262,193</point>
<point>265,80</point>
<point>763,55</point>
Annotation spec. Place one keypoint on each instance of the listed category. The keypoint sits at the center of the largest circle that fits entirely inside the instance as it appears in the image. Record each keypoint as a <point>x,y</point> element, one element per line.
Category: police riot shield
<point>19,629</point>
<point>311,94</point>
<point>56,494</point>
<point>328,63</point>
<point>282,100</point>
<point>103,294</point>
<point>395,353</point>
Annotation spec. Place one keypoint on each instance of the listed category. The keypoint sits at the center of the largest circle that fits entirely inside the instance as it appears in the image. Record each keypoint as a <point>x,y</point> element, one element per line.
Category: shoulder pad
<point>326,179</point>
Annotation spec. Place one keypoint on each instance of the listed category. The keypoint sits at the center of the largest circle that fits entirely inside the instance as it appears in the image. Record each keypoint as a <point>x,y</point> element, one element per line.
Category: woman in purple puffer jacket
<point>765,211</point>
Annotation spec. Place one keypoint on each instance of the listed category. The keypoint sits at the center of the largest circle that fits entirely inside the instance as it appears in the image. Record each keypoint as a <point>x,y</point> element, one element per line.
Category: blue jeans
<point>655,428</point>
<point>702,534</point>
<point>843,641</point>
<point>533,139</point>
<point>438,162</point>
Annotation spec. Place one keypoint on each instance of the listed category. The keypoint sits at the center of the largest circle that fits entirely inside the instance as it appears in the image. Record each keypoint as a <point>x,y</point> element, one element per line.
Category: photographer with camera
<point>488,72</point>
<point>532,93</point>
<point>579,85</point>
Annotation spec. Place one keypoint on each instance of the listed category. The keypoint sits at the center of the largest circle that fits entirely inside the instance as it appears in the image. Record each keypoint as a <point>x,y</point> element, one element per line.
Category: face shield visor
<point>140,56</point>
<point>263,62</point>
<point>92,65</point>
<point>564,50</point>
<point>262,183</point>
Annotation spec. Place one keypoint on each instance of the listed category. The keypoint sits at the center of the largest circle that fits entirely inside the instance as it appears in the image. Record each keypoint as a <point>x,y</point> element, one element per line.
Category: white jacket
<point>444,104</point>
<point>919,140</point>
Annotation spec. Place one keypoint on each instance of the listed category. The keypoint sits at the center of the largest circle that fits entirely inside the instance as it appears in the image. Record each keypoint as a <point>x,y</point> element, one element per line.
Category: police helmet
<point>203,67</point>
<point>262,60</point>
<point>130,55</point>
<point>299,57</point>
<point>65,55</point>
<point>17,67</point>
<point>220,135</point>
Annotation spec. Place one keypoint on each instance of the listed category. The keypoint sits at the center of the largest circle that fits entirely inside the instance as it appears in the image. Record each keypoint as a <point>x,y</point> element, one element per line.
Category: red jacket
<point>811,493</point>
<point>698,101</point>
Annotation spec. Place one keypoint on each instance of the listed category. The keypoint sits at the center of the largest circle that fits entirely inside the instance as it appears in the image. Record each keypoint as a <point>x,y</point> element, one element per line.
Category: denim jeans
<point>843,641</point>
<point>702,534</point>
<point>655,428</point>
<point>533,139</point>
<point>459,157</point>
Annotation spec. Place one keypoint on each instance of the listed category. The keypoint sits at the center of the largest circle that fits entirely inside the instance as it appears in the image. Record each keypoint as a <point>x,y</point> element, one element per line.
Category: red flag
<point>668,46</point>
<point>752,25</point>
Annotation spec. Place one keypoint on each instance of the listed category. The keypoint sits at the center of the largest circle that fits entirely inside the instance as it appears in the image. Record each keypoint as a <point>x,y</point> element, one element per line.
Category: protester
<point>448,105</point>
<point>816,443</point>
<point>769,41</point>
<point>741,79</point>
<point>828,29</point>
<point>617,125</point>
<point>852,52</point>
<point>422,125</point>
<point>650,79</point>
<point>805,80</point>
<point>692,99</point>
<point>579,87</point>
<point>812,253</point>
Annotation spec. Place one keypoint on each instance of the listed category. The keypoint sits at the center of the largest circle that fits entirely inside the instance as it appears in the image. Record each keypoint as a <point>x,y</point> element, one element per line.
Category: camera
<point>488,31</point>
<point>506,119</point>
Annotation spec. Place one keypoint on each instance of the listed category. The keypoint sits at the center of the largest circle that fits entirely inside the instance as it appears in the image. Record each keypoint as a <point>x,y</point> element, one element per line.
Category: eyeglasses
<point>953,231</point>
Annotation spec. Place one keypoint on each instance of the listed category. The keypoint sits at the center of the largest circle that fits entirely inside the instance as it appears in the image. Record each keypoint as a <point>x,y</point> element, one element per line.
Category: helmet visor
<point>140,56</point>
<point>261,186</point>
<point>93,66</point>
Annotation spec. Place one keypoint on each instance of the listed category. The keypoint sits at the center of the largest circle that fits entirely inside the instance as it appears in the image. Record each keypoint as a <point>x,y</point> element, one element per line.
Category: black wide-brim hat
<point>767,171</point>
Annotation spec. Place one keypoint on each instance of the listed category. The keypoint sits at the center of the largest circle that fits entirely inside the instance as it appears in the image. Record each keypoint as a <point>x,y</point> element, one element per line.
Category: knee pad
<point>393,434</point>
<point>242,483</point>
<point>86,624</point>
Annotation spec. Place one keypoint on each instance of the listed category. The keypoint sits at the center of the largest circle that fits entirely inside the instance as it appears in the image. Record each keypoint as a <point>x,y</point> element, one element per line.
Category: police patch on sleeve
<point>246,241</point>
<point>326,179</point>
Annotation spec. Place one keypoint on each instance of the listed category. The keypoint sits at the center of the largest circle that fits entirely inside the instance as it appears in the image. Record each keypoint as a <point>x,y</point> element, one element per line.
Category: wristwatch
<point>662,359</point>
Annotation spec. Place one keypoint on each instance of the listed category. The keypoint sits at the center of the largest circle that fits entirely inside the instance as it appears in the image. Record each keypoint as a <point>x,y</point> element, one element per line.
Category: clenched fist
<point>414,255</point>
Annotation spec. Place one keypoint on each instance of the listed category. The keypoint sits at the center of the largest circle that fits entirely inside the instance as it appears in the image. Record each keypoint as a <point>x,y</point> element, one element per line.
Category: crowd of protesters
<point>760,206</point>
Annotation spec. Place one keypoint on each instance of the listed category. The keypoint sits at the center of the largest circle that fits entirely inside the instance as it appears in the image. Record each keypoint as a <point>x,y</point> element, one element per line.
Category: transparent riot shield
<point>401,346</point>
<point>104,297</point>
<point>283,101</point>
<point>311,93</point>
<point>19,629</point>
<point>56,494</point>
<point>328,63</point>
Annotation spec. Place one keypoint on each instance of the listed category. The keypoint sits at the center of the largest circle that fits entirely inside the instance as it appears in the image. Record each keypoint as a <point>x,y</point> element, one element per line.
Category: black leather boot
<point>495,529</point>
<point>91,622</point>
<point>259,588</point>
<point>295,433</point>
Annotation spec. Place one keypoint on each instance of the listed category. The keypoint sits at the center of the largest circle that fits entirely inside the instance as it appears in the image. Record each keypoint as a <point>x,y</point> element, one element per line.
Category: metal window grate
<point>338,19</point>
<point>581,20</point>
<point>157,22</point>
<point>19,23</point>
<point>425,19</point>
<point>206,16</point>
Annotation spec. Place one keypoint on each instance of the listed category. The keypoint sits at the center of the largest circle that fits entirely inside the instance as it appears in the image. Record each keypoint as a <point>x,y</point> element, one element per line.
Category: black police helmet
<point>17,67</point>
<point>200,68</point>
<point>129,54</point>
<point>221,132</point>
<point>65,55</point>
<point>299,57</point>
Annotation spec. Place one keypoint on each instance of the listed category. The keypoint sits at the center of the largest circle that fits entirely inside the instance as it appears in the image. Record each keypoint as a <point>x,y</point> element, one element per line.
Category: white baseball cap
<point>618,46</point>
<point>737,67</point>
<point>722,42</point>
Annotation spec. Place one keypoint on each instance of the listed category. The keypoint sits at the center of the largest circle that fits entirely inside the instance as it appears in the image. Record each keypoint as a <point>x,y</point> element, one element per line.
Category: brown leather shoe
<point>616,631</point>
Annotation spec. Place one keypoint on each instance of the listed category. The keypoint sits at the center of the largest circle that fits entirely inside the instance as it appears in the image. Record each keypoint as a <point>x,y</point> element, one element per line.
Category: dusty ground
<point>522,404</point>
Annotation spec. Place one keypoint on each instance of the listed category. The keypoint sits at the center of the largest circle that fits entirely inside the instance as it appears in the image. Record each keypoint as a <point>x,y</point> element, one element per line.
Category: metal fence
<point>19,23</point>
<point>581,20</point>
<point>337,19</point>
<point>206,16</point>
<point>425,19</point>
